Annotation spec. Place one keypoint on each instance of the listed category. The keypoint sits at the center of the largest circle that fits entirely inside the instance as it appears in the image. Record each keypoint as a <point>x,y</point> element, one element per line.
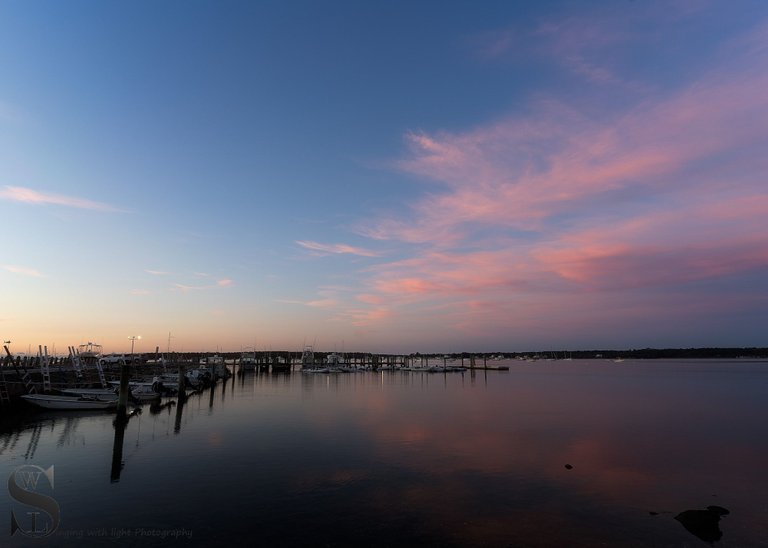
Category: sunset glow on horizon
<point>384,178</point>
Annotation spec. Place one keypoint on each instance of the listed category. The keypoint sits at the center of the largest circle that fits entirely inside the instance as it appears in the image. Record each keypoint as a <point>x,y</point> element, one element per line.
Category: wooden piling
<point>122,401</point>
<point>182,381</point>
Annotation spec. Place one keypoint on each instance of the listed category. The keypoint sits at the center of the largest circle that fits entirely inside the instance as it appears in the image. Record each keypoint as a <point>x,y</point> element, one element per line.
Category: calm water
<point>397,458</point>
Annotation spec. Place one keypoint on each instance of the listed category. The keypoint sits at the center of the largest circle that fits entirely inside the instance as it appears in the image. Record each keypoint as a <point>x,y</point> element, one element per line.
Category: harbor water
<point>549,453</point>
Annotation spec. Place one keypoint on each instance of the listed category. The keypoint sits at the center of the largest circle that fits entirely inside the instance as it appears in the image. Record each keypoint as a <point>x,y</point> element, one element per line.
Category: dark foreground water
<point>563,453</point>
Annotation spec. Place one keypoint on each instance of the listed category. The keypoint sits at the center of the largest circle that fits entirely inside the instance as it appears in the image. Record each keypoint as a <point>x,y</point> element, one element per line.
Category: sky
<point>393,177</point>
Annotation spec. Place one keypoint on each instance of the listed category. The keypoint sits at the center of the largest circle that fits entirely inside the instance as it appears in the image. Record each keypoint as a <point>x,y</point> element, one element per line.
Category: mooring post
<point>122,401</point>
<point>182,381</point>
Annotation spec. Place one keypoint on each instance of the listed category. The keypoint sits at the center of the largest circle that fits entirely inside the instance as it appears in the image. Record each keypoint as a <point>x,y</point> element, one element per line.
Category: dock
<point>43,373</point>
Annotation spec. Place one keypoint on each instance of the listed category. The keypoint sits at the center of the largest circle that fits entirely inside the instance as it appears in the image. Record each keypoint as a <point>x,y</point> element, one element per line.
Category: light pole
<point>122,401</point>
<point>133,339</point>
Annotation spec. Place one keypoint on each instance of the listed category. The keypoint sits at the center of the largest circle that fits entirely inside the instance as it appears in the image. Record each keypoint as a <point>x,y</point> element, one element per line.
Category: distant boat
<point>89,353</point>
<point>216,366</point>
<point>307,358</point>
<point>618,360</point>
<point>144,393</point>
<point>248,361</point>
<point>149,391</point>
<point>49,401</point>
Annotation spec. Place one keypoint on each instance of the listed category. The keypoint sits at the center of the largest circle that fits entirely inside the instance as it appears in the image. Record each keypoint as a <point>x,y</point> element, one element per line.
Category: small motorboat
<point>50,401</point>
<point>98,393</point>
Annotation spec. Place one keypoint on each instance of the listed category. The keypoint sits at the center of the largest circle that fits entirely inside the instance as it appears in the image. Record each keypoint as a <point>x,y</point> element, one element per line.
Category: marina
<point>87,372</point>
<point>384,274</point>
<point>567,452</point>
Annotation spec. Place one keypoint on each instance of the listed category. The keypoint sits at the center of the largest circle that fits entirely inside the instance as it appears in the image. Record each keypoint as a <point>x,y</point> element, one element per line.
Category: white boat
<point>147,391</point>
<point>197,378</point>
<point>316,370</point>
<point>142,392</point>
<point>98,393</point>
<point>334,360</point>
<point>49,401</point>
<point>248,361</point>
<point>89,354</point>
<point>216,365</point>
<point>212,360</point>
<point>307,358</point>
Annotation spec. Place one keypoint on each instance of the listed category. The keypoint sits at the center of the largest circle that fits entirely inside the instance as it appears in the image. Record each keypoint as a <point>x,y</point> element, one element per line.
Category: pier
<point>83,368</point>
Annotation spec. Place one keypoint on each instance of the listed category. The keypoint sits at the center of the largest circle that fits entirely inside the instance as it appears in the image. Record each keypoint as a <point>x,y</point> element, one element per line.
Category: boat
<point>142,393</point>
<point>334,360</point>
<point>202,376</point>
<point>49,401</point>
<point>149,390</point>
<point>216,366</point>
<point>248,361</point>
<point>98,393</point>
<point>308,358</point>
<point>89,353</point>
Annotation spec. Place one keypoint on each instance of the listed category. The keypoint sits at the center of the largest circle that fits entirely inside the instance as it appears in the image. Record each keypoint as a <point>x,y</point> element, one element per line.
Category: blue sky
<point>392,177</point>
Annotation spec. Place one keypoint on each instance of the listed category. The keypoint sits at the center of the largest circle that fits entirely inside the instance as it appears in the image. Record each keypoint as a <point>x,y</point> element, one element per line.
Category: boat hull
<point>67,402</point>
<point>97,393</point>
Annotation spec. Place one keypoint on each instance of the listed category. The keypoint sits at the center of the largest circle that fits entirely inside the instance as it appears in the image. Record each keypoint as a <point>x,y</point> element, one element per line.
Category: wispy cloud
<point>318,303</point>
<point>140,292</point>
<point>327,297</point>
<point>537,210</point>
<point>157,272</point>
<point>335,249</point>
<point>363,317</point>
<point>186,288</point>
<point>27,195</point>
<point>23,271</point>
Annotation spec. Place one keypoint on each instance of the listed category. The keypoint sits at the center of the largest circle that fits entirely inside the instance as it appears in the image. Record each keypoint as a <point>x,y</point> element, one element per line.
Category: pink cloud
<point>370,299</point>
<point>528,212</point>
<point>187,288</point>
<point>321,303</point>
<point>23,270</point>
<point>335,249</point>
<point>27,195</point>
<point>367,316</point>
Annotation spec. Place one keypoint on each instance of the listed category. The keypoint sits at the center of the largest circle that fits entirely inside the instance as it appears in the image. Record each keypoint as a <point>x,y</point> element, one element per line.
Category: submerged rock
<point>705,524</point>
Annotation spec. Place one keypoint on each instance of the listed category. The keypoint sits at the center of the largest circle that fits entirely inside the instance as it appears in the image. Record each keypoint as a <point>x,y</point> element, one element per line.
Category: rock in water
<point>704,524</point>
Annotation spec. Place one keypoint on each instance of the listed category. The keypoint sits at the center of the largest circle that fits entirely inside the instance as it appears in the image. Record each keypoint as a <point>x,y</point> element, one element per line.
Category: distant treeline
<point>656,353</point>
